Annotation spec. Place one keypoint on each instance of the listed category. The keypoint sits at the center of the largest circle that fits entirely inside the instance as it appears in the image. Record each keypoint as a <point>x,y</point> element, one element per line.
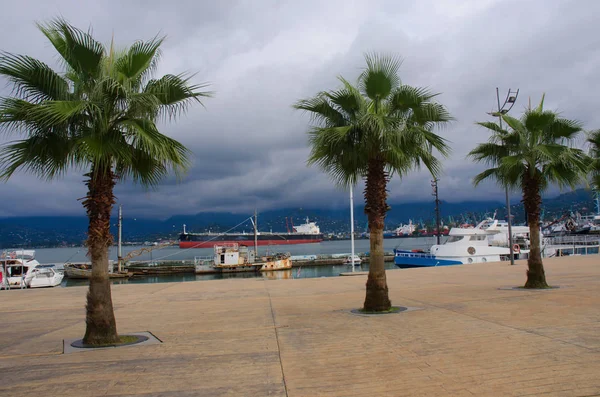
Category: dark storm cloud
<point>250,147</point>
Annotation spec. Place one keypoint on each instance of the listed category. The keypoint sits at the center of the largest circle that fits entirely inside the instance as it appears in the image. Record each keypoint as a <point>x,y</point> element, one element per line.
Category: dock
<point>468,333</point>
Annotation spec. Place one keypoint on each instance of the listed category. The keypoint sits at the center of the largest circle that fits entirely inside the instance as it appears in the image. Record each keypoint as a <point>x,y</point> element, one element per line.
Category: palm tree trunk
<point>532,201</point>
<point>101,327</point>
<point>376,299</point>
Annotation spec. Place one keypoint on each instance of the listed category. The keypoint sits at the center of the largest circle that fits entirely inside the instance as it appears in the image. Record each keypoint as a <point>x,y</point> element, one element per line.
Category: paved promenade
<point>253,337</point>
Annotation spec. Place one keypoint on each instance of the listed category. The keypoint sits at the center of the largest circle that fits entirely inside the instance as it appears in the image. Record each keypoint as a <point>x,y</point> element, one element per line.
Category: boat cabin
<point>231,254</point>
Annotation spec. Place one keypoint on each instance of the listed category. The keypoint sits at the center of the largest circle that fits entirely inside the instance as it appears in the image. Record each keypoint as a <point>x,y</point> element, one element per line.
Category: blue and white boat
<point>486,242</point>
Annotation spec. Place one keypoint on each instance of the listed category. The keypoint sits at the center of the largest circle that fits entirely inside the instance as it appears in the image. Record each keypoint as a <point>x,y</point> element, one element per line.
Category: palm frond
<point>380,77</point>
<point>33,81</point>
<point>77,48</point>
<point>514,123</point>
<point>406,98</point>
<point>564,129</point>
<point>321,110</point>
<point>538,121</point>
<point>20,115</point>
<point>140,60</point>
<point>495,128</point>
<point>490,173</point>
<point>46,156</point>
<point>176,94</point>
<point>488,153</point>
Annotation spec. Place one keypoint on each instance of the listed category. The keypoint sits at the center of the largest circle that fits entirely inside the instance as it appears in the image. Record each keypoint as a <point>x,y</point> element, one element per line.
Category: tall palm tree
<point>373,130</point>
<point>594,167</point>
<point>533,154</point>
<point>98,116</point>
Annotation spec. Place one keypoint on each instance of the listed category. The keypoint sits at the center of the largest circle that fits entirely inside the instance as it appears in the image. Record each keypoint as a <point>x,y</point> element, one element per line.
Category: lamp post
<point>352,225</point>
<point>509,102</point>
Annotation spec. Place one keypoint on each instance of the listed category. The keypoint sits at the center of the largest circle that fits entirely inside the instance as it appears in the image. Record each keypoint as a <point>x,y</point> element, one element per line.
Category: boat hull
<point>266,266</point>
<point>281,264</point>
<point>250,242</point>
<point>407,263</point>
<point>85,273</point>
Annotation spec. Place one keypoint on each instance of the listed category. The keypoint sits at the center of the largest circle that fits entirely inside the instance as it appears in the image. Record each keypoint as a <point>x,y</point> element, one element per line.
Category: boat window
<point>478,238</point>
<point>454,239</point>
<point>14,271</point>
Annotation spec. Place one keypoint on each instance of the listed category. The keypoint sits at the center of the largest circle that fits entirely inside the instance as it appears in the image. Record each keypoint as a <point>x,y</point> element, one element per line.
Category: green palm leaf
<point>77,48</point>
<point>34,81</point>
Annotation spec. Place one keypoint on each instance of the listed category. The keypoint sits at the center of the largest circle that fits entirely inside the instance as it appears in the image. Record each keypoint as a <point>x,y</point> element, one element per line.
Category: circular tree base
<point>393,310</point>
<point>126,340</point>
<point>530,289</point>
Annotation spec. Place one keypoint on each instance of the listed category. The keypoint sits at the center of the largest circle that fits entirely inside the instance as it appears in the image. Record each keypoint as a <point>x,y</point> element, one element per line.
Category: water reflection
<point>297,272</point>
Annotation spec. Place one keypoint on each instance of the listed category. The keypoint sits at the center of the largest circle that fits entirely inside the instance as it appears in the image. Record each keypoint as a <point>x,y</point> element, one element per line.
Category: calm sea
<point>61,255</point>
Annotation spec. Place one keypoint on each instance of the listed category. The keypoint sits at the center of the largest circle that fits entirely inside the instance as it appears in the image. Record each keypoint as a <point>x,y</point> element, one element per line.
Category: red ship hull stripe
<point>249,243</point>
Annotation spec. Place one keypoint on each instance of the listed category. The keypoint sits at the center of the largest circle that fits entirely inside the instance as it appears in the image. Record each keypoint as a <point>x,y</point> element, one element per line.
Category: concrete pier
<point>472,336</point>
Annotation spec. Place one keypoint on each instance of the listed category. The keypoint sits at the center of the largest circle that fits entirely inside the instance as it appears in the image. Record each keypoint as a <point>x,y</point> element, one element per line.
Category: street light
<point>509,102</point>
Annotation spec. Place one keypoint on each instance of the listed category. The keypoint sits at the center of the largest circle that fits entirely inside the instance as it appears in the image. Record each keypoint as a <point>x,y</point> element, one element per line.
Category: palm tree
<point>594,143</point>
<point>98,116</point>
<point>374,130</point>
<point>534,154</point>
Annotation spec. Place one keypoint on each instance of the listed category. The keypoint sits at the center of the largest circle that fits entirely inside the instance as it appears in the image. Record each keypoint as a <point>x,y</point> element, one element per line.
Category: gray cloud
<point>250,147</point>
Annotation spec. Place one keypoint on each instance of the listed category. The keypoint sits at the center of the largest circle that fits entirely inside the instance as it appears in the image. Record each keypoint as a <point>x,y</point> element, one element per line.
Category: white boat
<point>233,258</point>
<point>20,269</point>
<point>348,260</point>
<point>486,242</point>
<point>405,230</point>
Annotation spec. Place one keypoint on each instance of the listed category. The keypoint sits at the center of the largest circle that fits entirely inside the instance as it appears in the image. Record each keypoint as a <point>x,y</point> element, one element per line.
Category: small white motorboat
<point>357,260</point>
<point>20,269</point>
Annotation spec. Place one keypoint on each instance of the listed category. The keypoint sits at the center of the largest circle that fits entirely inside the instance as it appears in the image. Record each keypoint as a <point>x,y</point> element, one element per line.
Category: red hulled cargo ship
<point>306,233</point>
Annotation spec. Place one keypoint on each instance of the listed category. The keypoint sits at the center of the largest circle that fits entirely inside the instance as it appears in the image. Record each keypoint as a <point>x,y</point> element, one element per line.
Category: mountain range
<point>49,231</point>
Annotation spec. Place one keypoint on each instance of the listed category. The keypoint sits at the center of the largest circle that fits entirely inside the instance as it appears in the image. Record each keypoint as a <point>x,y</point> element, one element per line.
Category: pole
<point>119,247</point>
<point>255,234</point>
<point>22,275</point>
<point>510,237</point>
<point>437,210</point>
<point>352,224</point>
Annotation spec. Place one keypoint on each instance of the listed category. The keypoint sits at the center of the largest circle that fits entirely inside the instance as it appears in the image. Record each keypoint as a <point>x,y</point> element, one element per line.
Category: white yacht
<point>20,269</point>
<point>486,242</point>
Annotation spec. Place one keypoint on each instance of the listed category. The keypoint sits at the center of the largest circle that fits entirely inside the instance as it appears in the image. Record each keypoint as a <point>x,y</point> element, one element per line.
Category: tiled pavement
<point>258,337</point>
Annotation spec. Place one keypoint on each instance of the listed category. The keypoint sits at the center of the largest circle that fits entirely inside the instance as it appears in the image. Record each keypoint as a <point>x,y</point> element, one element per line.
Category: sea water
<point>61,255</point>
<point>78,254</point>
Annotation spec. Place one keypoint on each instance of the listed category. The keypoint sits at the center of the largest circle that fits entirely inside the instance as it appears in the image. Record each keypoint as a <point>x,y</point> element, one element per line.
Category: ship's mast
<point>255,234</point>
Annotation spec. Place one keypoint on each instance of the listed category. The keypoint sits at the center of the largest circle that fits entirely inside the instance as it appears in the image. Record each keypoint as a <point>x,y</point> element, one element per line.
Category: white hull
<point>40,279</point>
<point>21,270</point>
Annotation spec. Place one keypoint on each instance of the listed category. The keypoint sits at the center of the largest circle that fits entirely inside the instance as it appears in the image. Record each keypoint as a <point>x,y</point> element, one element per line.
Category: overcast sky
<point>260,56</point>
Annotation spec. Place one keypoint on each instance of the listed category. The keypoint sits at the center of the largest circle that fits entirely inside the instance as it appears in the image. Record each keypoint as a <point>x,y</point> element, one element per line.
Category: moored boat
<point>20,269</point>
<point>233,258</point>
<point>487,242</point>
<point>84,270</point>
<point>357,261</point>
